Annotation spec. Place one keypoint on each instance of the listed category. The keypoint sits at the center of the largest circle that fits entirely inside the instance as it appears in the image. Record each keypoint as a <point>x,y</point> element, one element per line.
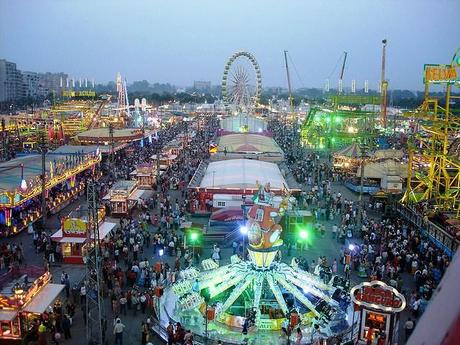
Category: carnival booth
<point>25,294</point>
<point>122,197</point>
<point>75,236</point>
<point>145,175</point>
<point>21,186</point>
<point>164,161</point>
<point>173,148</point>
<point>229,183</point>
<point>347,158</point>
<point>378,306</point>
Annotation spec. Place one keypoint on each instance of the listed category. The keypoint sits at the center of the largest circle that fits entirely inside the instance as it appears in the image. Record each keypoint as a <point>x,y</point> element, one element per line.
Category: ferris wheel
<point>241,82</point>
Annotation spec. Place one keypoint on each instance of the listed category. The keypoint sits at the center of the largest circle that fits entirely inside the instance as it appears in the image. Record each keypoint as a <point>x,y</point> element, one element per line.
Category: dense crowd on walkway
<point>375,245</point>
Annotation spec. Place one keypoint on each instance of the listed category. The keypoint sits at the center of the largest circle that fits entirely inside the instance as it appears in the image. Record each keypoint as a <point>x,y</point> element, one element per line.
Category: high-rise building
<point>52,82</point>
<point>202,86</point>
<point>31,82</point>
<point>11,85</point>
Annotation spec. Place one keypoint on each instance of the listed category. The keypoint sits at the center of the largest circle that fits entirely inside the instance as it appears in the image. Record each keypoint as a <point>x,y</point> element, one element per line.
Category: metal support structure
<point>361,185</point>
<point>96,321</point>
<point>433,156</point>
<point>345,54</point>
<point>43,150</point>
<point>291,106</point>
<point>112,147</point>
<point>383,86</point>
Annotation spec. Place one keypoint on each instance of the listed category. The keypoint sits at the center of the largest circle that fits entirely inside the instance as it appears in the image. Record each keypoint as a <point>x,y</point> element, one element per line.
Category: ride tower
<point>434,162</point>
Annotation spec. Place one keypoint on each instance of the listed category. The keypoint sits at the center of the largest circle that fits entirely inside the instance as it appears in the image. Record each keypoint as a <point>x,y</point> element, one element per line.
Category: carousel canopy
<point>352,151</point>
<point>242,173</point>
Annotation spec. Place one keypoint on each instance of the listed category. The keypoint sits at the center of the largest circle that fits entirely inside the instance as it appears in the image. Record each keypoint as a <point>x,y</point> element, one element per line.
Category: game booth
<point>378,306</point>
<point>122,197</point>
<point>21,186</point>
<point>26,294</point>
<point>145,175</point>
<point>75,237</point>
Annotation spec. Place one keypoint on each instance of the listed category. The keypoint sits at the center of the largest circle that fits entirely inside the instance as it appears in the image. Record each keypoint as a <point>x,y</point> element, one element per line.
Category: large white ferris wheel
<point>241,82</point>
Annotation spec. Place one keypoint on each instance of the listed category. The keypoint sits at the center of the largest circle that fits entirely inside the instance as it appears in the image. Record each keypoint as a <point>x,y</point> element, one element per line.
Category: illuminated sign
<point>378,295</point>
<point>74,226</point>
<point>440,74</point>
<point>78,93</point>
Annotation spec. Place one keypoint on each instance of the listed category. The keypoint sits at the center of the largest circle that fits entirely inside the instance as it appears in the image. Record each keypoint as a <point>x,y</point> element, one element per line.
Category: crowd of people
<point>383,248</point>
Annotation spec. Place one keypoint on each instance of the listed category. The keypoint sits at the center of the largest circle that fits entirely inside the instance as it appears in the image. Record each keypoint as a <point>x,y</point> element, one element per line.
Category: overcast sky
<point>179,41</point>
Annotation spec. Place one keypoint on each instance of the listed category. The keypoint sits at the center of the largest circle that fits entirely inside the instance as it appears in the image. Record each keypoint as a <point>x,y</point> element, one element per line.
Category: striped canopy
<point>352,151</point>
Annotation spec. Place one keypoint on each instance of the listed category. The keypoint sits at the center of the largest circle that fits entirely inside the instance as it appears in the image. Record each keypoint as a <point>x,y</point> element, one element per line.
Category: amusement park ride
<point>241,86</point>
<point>347,118</point>
<point>434,164</point>
<point>261,291</point>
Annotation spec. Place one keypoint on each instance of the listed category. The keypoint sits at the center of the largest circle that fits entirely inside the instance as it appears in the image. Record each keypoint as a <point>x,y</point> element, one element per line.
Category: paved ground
<point>319,246</point>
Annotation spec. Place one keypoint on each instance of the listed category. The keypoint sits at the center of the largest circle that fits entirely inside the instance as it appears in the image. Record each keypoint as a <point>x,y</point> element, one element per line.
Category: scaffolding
<point>434,166</point>
<point>96,322</point>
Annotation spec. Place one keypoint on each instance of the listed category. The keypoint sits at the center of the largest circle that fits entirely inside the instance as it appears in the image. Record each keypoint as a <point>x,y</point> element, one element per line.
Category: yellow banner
<point>440,74</point>
<point>74,226</point>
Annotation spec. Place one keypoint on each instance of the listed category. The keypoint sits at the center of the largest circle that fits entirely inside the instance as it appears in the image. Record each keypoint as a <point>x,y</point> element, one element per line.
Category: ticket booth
<point>379,306</point>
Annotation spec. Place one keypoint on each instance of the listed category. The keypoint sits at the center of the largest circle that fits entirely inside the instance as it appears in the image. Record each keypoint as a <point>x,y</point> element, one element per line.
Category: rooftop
<point>241,174</point>
<point>248,143</point>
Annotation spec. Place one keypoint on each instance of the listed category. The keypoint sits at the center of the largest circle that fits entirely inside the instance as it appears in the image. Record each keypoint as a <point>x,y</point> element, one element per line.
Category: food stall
<point>164,161</point>
<point>378,306</point>
<point>173,148</point>
<point>25,293</point>
<point>75,236</point>
<point>145,175</point>
<point>122,197</point>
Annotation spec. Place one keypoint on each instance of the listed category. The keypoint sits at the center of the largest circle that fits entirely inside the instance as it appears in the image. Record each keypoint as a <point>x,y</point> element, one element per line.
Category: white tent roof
<point>44,298</point>
<point>242,173</point>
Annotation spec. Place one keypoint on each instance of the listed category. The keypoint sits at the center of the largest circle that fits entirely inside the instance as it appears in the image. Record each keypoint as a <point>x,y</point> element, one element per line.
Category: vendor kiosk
<point>75,237</point>
<point>379,306</point>
<point>145,175</point>
<point>25,294</point>
<point>122,197</point>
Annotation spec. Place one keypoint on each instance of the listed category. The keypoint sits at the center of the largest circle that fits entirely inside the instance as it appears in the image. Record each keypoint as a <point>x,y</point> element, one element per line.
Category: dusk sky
<point>179,41</point>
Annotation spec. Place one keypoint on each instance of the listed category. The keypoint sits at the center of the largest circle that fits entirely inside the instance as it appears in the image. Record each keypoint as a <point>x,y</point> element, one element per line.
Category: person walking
<point>66,327</point>
<point>145,333</point>
<point>409,327</point>
<point>118,331</point>
<point>170,332</point>
<point>299,336</point>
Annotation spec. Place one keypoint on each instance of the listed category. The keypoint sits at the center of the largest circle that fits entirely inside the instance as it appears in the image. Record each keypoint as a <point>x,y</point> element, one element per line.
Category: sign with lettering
<point>74,227</point>
<point>78,93</point>
<point>378,295</point>
<point>440,74</point>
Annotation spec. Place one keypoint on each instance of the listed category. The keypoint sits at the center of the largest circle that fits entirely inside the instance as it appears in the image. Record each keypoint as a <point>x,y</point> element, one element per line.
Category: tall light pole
<point>43,150</point>
<point>360,199</point>
<point>383,86</point>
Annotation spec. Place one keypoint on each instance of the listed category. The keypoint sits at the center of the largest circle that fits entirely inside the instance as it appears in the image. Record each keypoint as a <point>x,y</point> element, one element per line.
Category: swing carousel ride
<point>261,293</point>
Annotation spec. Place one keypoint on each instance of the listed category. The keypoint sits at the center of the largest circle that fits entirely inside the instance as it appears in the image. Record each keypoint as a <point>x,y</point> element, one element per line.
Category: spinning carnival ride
<point>262,291</point>
<point>241,83</point>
